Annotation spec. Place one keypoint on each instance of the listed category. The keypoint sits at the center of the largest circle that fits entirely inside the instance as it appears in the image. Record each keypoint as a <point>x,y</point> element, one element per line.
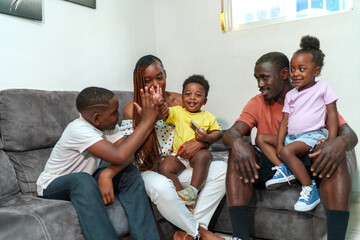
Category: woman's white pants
<point>162,193</point>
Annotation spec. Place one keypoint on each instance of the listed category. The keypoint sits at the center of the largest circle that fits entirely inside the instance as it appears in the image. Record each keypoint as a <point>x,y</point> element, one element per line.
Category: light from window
<point>259,12</point>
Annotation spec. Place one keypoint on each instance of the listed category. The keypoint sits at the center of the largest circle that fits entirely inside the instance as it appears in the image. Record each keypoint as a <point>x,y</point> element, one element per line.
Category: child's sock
<point>239,222</point>
<point>337,222</point>
<point>196,191</point>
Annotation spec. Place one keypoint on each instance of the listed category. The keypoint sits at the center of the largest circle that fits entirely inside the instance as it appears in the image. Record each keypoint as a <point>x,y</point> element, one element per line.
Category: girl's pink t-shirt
<point>307,108</point>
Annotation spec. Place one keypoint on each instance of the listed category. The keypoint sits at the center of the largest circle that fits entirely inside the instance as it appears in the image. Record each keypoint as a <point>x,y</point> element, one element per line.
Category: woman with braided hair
<point>149,71</point>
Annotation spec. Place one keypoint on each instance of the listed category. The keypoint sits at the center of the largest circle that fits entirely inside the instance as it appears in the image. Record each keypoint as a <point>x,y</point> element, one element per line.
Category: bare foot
<point>207,235</point>
<point>180,235</point>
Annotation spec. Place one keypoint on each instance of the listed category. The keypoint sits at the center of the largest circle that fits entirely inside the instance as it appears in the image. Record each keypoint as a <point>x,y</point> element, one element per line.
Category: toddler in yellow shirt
<point>191,123</point>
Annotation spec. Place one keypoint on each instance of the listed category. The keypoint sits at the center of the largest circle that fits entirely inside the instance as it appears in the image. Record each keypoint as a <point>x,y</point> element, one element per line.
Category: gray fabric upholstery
<point>28,166</point>
<point>28,217</point>
<point>25,115</point>
<point>34,119</point>
<point>8,182</point>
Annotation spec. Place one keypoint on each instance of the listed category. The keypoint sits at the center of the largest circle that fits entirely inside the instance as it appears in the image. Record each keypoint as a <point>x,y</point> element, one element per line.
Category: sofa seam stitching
<point>37,217</point>
<point>26,177</point>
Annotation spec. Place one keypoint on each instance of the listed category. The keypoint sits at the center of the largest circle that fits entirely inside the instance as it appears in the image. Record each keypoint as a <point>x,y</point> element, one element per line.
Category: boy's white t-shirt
<point>69,154</point>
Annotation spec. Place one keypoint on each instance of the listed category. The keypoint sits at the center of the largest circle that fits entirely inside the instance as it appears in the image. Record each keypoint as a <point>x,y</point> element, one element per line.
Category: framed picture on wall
<point>87,3</point>
<point>22,8</point>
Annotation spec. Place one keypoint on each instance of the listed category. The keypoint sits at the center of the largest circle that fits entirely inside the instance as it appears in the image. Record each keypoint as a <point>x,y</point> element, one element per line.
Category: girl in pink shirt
<point>305,111</point>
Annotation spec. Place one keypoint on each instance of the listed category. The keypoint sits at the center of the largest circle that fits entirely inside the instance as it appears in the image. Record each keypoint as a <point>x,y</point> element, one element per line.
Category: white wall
<point>75,46</point>
<point>189,40</point>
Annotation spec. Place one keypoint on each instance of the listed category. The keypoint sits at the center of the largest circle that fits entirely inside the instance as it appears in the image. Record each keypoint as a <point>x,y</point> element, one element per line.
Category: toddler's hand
<point>201,135</point>
<point>157,96</point>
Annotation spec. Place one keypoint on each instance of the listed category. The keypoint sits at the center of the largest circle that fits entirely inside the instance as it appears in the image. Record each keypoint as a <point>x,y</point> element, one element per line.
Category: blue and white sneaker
<point>282,176</point>
<point>309,198</point>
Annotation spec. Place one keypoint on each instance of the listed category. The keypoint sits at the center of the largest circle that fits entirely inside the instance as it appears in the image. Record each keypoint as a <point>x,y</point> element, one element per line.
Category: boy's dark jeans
<point>133,198</point>
<point>82,190</point>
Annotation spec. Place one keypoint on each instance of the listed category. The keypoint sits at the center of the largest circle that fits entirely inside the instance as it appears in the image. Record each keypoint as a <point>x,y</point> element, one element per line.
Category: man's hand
<point>106,188</point>
<point>189,149</point>
<point>243,155</point>
<point>327,156</point>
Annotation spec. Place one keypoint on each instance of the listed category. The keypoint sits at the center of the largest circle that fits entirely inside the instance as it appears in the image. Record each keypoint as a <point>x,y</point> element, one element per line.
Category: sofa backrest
<point>35,119</point>
<point>31,122</point>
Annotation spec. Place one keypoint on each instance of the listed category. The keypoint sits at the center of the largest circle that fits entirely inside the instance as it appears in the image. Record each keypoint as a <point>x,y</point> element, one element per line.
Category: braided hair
<point>148,155</point>
<point>310,44</point>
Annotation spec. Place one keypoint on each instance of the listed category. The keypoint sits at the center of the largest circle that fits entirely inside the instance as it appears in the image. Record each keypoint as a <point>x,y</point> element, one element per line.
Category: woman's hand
<point>163,112</point>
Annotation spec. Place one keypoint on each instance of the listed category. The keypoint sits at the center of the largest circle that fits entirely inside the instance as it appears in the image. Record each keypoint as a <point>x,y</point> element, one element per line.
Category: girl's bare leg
<point>267,143</point>
<point>290,155</point>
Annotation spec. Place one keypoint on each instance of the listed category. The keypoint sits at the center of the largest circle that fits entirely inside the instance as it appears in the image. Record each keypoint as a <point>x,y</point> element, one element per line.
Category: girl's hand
<point>278,149</point>
<point>201,135</point>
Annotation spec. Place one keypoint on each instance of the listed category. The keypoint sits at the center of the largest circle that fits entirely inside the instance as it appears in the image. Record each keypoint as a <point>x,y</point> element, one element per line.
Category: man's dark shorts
<point>266,173</point>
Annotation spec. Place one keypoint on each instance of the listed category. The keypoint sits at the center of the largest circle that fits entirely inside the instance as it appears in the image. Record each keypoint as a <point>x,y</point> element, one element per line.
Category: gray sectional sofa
<point>31,122</point>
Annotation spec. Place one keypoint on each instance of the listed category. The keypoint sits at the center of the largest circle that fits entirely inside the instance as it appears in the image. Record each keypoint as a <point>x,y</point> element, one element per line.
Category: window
<point>243,14</point>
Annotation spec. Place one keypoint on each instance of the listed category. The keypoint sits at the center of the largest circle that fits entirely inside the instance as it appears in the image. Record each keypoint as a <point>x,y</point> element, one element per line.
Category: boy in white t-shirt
<point>72,167</point>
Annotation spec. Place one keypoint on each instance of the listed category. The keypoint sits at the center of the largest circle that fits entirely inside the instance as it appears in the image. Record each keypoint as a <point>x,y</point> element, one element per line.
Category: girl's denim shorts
<point>309,138</point>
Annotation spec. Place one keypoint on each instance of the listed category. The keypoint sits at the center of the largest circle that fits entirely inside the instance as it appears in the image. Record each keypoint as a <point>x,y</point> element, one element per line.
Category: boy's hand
<point>148,111</point>
<point>106,188</point>
<point>201,135</point>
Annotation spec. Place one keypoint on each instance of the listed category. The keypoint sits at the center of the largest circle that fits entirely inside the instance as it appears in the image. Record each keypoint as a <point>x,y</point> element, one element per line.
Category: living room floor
<point>353,230</point>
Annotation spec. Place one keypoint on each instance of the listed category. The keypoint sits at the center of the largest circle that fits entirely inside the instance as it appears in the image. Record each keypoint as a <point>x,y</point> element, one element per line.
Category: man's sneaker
<point>309,198</point>
<point>282,176</point>
<point>188,196</point>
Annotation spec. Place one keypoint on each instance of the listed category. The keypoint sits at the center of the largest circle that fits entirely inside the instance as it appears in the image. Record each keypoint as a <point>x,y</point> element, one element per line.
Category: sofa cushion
<point>35,119</point>
<point>28,166</point>
<point>8,182</point>
<point>283,198</point>
<point>38,218</point>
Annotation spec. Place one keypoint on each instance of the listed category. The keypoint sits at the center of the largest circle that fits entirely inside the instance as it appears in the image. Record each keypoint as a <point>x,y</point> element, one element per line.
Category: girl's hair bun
<point>309,42</point>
